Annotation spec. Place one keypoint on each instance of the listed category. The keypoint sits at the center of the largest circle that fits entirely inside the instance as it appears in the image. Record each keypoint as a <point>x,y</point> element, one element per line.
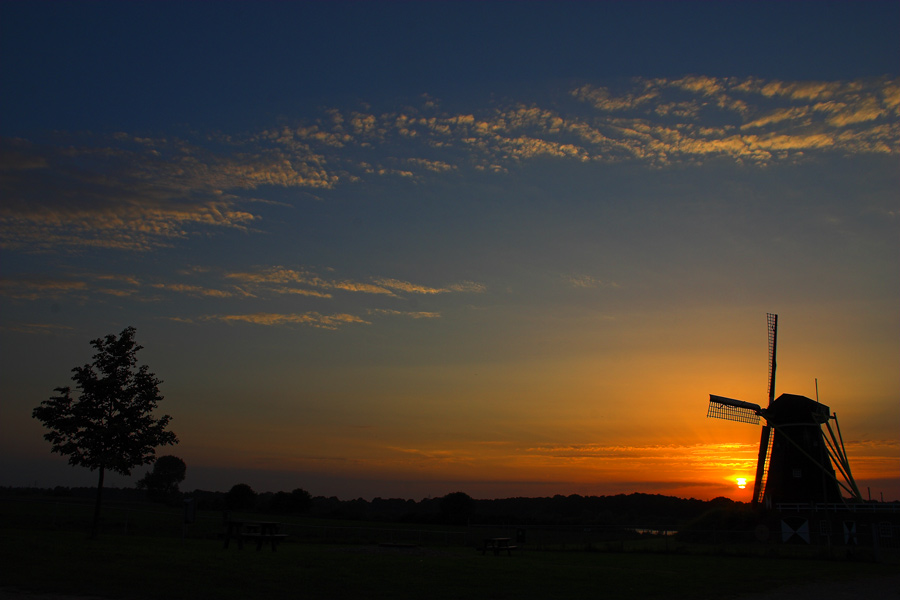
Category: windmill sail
<point>765,436</point>
<point>762,464</point>
<point>772,323</point>
<point>730,409</point>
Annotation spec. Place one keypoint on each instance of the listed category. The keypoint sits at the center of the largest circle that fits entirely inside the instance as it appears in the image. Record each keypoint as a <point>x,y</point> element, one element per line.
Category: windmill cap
<point>797,409</point>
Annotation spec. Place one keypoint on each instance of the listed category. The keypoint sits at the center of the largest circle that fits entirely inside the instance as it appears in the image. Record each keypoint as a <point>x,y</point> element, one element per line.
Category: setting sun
<point>742,482</point>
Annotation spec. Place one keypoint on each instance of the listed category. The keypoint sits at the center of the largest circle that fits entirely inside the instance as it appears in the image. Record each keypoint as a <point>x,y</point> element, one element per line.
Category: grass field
<point>57,558</point>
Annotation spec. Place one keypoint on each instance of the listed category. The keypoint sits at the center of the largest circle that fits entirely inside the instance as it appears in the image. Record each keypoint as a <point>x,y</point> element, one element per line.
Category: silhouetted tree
<point>457,507</point>
<point>240,497</point>
<point>109,426</point>
<point>297,501</point>
<point>162,482</point>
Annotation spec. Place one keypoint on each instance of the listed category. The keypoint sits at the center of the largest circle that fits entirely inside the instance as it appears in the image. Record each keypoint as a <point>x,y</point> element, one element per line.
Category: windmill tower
<point>796,461</point>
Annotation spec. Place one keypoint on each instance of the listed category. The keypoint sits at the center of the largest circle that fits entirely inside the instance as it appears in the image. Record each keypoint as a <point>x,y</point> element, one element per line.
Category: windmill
<point>796,461</point>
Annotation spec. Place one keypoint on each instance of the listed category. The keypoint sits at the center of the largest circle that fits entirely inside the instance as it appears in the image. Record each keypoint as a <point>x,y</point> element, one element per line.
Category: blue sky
<point>401,249</point>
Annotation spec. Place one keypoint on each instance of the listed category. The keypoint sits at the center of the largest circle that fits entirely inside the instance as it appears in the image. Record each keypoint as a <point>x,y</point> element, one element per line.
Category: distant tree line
<point>458,508</point>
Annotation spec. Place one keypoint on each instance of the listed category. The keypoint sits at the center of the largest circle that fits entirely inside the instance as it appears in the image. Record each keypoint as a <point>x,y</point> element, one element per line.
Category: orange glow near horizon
<point>699,470</point>
<point>520,445</point>
<point>529,426</point>
<point>543,428</point>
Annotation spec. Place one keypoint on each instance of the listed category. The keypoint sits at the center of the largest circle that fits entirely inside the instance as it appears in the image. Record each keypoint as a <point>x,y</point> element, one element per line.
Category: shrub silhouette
<point>162,482</point>
<point>240,497</point>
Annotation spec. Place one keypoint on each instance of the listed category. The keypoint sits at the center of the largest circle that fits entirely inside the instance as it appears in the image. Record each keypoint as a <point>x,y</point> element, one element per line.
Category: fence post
<point>876,550</point>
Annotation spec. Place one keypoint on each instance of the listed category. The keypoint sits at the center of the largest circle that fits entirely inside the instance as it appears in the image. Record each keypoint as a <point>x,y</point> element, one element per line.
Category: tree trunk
<point>96,525</point>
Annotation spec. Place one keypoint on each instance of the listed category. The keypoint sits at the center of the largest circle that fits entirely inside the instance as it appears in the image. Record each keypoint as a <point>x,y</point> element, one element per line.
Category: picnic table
<point>264,532</point>
<point>496,545</point>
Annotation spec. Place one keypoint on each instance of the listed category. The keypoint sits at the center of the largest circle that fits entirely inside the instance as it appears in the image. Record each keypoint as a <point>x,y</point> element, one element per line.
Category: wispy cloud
<point>107,205</point>
<point>716,457</point>
<point>257,289</point>
<point>312,319</point>
<point>468,287</point>
<point>136,193</point>
<point>430,456</point>
<point>874,445</point>
<point>405,313</point>
<point>411,288</point>
<point>34,288</point>
<point>37,328</point>
<point>813,116</point>
<point>285,280</point>
<point>196,290</point>
<point>589,282</point>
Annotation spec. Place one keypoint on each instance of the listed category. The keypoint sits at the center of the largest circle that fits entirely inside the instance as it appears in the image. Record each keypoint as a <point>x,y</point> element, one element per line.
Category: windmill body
<point>800,469</point>
<point>797,460</point>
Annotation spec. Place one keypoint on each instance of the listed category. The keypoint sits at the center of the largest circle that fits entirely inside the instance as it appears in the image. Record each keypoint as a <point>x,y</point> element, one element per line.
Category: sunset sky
<point>406,249</point>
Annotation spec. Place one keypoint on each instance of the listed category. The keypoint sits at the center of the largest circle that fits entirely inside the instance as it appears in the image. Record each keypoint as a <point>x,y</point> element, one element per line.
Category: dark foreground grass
<point>138,567</point>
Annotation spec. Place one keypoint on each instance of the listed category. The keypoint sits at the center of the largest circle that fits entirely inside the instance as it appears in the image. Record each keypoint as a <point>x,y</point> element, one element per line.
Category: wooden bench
<point>496,545</point>
<point>262,538</point>
<point>263,532</point>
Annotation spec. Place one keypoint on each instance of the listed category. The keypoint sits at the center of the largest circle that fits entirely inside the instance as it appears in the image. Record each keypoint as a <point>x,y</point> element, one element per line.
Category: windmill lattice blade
<point>772,327</point>
<point>740,412</point>
<point>766,439</point>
